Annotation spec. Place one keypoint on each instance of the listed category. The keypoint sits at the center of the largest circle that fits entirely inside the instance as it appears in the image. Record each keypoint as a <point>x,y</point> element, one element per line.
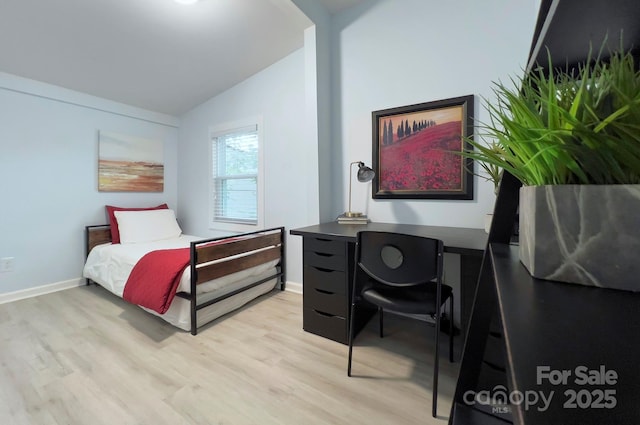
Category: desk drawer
<point>325,302</point>
<point>326,325</point>
<point>325,260</point>
<point>326,246</point>
<point>334,281</point>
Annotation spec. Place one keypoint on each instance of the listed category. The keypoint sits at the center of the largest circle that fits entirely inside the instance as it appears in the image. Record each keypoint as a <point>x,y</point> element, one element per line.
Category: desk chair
<point>402,274</point>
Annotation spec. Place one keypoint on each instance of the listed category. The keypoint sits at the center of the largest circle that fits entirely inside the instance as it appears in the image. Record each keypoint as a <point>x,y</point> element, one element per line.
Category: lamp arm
<point>351,180</point>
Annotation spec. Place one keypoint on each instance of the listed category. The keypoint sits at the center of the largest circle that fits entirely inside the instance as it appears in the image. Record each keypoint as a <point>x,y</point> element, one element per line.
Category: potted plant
<point>573,140</point>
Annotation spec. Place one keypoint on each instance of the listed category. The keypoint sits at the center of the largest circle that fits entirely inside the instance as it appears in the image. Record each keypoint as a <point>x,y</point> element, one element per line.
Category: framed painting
<point>129,164</point>
<point>414,150</point>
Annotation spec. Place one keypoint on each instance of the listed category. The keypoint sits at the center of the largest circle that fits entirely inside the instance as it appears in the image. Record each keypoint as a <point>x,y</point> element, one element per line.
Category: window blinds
<point>235,175</point>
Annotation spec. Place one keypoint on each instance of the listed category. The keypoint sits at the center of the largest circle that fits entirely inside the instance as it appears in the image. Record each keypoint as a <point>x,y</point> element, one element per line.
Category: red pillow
<point>115,233</point>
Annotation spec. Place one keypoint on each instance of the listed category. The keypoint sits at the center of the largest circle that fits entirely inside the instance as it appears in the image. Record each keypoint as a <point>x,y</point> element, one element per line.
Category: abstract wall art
<point>129,164</point>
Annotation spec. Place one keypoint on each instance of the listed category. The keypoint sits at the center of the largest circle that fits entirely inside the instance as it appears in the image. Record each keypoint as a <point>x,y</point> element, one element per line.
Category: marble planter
<point>585,234</point>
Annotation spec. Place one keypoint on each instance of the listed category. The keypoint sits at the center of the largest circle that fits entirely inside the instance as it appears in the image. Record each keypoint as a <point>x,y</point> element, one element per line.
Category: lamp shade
<point>365,174</point>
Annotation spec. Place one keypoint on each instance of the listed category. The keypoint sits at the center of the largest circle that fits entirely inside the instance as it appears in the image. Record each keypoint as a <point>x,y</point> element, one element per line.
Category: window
<point>236,194</point>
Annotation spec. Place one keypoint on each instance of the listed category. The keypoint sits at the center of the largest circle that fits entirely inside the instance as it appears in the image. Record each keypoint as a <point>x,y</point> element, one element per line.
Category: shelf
<point>570,25</point>
<point>566,326</point>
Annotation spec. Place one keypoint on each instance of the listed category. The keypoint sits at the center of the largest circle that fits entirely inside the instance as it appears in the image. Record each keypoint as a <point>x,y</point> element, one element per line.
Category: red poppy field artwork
<point>414,151</point>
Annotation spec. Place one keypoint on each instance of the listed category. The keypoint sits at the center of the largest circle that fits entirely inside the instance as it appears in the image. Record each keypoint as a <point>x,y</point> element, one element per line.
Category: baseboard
<point>293,287</point>
<point>40,290</point>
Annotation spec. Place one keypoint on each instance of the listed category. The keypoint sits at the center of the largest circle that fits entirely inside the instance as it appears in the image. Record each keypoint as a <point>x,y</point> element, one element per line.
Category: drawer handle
<point>323,240</point>
<point>323,270</point>
<point>324,254</point>
<point>324,314</point>
<point>322,291</point>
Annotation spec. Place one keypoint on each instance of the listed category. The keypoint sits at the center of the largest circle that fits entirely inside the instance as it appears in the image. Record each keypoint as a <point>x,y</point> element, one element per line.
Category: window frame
<point>221,130</point>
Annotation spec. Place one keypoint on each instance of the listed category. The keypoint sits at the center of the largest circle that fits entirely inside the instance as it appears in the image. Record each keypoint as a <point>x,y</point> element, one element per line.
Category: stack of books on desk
<point>343,219</point>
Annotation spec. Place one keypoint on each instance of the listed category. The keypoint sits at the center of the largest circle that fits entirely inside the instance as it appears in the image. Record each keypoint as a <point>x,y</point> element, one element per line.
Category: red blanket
<point>155,278</point>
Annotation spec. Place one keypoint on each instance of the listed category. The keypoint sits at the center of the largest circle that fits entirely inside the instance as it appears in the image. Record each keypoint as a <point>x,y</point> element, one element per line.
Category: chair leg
<point>380,314</point>
<point>351,329</point>
<point>434,402</point>
<point>451,329</point>
<point>436,359</point>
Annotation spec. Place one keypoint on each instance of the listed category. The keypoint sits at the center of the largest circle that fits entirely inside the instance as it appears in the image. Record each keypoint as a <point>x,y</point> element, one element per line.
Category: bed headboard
<point>96,235</point>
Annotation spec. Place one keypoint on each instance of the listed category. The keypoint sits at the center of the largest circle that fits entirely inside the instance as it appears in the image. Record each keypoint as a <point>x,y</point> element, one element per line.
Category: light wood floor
<point>83,356</point>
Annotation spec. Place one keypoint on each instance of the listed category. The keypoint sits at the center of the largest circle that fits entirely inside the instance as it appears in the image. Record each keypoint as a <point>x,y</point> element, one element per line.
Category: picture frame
<point>129,164</point>
<point>417,160</point>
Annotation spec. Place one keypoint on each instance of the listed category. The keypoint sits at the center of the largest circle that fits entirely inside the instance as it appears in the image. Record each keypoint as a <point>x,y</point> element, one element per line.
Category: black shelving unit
<point>573,345</point>
<point>522,329</point>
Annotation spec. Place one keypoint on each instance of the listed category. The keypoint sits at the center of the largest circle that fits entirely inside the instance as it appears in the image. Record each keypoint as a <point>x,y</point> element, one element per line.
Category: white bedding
<point>110,265</point>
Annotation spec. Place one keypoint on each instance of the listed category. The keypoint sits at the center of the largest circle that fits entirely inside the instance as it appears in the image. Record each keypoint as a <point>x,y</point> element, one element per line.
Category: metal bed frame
<point>213,258</point>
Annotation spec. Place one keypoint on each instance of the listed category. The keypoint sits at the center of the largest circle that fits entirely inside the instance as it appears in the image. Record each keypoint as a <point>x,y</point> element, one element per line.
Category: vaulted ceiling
<point>153,54</point>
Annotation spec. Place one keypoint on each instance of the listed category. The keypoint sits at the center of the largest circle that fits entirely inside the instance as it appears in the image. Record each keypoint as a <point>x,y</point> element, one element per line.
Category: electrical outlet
<point>6,264</point>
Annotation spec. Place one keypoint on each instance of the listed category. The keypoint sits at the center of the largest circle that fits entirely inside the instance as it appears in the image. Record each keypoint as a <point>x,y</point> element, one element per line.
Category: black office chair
<point>403,274</point>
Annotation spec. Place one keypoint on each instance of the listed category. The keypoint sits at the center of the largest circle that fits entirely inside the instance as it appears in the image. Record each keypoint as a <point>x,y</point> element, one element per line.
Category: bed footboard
<point>217,257</point>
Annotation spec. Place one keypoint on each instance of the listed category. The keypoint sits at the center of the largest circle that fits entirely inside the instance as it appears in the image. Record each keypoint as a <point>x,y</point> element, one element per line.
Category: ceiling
<point>153,54</point>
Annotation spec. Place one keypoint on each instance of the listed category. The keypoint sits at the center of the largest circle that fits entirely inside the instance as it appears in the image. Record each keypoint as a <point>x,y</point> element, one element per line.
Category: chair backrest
<point>397,259</point>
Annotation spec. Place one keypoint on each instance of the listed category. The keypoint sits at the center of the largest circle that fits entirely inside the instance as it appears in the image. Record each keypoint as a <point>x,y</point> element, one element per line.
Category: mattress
<point>109,265</point>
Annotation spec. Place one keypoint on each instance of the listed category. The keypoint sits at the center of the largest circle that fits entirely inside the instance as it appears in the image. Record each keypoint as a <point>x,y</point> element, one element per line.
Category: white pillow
<point>147,226</point>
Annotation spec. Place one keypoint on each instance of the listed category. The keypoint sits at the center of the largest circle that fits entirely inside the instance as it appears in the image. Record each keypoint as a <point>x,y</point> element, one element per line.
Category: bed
<point>220,276</point>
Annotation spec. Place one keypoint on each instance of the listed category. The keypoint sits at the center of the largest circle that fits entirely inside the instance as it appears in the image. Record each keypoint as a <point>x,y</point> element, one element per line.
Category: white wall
<point>317,47</point>
<point>391,53</point>
<point>278,95</point>
<point>48,176</point>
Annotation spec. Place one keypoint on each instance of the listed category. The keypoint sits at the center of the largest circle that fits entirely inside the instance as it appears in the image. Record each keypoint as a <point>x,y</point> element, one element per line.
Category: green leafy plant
<point>560,128</point>
<point>492,172</point>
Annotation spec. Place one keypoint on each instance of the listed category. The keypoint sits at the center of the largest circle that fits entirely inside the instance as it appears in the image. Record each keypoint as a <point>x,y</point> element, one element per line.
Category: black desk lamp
<point>365,174</point>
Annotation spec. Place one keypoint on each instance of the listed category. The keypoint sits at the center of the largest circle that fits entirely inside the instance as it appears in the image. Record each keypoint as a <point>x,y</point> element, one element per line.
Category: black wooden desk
<point>328,251</point>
